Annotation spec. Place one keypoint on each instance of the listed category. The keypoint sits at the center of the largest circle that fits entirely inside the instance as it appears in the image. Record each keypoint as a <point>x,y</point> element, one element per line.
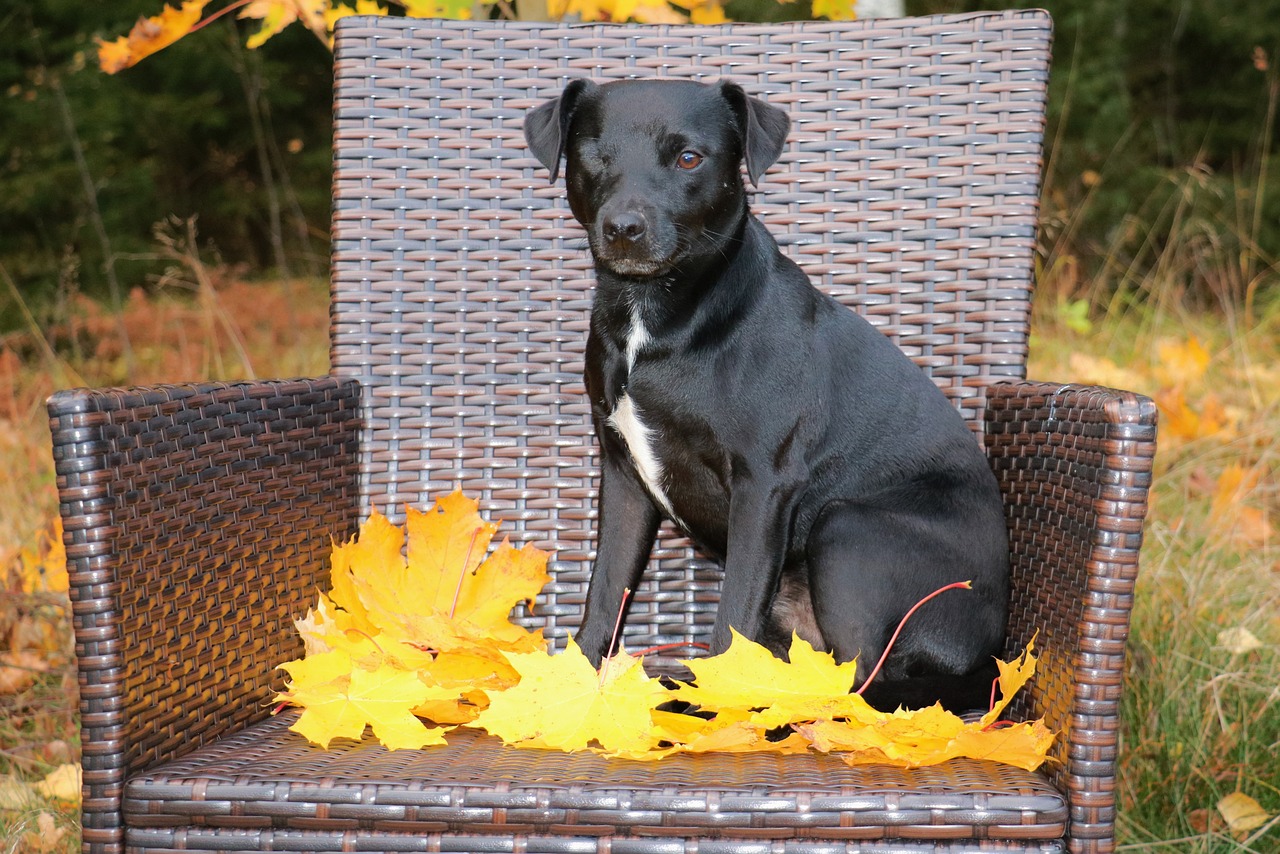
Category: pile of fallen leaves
<point>38,776</point>
<point>423,632</point>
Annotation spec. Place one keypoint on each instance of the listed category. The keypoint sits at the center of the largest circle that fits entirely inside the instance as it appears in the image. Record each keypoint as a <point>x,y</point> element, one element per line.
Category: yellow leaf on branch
<point>149,35</point>
<point>278,14</point>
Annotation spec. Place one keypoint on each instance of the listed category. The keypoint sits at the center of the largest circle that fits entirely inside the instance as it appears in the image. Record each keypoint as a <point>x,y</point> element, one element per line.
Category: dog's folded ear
<point>546,129</point>
<point>764,129</point>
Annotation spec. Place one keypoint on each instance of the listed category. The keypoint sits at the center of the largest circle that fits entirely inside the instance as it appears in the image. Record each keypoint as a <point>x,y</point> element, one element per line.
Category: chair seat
<point>265,788</point>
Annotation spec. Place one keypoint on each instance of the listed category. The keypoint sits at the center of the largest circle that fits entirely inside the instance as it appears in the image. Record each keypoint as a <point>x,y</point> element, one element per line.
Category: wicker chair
<point>198,517</point>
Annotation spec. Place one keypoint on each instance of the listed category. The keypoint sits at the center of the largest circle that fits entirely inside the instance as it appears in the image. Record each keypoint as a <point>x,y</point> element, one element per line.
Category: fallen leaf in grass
<point>149,35</point>
<point>1238,640</point>
<point>46,837</point>
<point>42,567</point>
<point>1181,362</point>
<point>1228,513</point>
<point>18,670</point>
<point>1097,370</point>
<point>61,784</point>
<point>15,795</point>
<point>1242,813</point>
<point>563,703</point>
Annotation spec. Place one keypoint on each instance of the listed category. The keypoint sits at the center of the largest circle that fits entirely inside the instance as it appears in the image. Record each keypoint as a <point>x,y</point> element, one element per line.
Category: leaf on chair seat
<point>562,703</point>
<point>810,686</point>
<point>340,698</point>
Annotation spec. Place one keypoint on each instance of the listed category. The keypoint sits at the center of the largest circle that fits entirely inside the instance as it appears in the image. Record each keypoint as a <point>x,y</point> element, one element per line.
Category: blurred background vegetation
<point>1160,111</point>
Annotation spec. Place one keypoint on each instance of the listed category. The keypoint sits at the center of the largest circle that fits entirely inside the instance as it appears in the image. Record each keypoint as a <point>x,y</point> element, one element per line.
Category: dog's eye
<point>689,160</point>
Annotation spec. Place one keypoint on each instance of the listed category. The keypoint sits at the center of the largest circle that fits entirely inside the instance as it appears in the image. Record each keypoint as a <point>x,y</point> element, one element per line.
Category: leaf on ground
<point>149,35</point>
<point>15,795</point>
<point>1238,640</point>
<point>563,703</point>
<point>18,670</point>
<point>42,567</point>
<point>46,837</point>
<point>61,784</point>
<point>1242,813</point>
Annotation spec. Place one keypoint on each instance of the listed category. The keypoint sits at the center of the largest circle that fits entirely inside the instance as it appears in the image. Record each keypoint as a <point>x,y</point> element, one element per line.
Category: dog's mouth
<point>638,268</point>
<point>642,259</point>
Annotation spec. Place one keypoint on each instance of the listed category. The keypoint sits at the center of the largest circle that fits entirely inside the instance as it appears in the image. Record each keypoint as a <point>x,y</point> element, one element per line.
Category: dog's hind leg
<point>868,565</point>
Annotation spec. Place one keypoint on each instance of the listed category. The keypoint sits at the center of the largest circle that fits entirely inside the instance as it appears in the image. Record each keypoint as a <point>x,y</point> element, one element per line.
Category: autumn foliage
<point>416,625</point>
<point>155,33</point>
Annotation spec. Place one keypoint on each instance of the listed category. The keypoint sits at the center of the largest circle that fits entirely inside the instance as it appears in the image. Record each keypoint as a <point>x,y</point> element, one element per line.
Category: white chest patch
<point>637,339</point>
<point>638,438</point>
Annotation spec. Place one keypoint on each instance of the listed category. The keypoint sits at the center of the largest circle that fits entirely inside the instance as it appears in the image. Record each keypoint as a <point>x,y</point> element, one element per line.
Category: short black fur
<point>787,436</point>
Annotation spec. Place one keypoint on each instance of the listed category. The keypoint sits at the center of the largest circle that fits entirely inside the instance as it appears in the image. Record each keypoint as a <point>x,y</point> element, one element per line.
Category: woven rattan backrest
<point>462,285</point>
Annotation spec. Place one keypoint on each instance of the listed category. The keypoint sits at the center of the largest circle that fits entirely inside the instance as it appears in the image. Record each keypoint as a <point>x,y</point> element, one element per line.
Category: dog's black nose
<point>625,227</point>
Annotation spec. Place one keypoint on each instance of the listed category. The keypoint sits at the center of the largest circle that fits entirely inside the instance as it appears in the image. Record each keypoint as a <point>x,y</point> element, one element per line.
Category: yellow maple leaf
<point>445,595</point>
<point>916,737</point>
<point>339,698</point>
<point>835,10</point>
<point>1229,513</point>
<point>1181,362</point>
<point>809,687</point>
<point>730,731</point>
<point>563,703</point>
<point>703,11</point>
<point>149,35</point>
<point>1013,675</point>
<point>61,784</point>
<point>278,14</point>
<point>42,567</point>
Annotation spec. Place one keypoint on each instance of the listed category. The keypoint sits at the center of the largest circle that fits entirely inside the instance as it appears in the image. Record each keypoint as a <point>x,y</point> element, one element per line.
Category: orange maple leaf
<point>149,35</point>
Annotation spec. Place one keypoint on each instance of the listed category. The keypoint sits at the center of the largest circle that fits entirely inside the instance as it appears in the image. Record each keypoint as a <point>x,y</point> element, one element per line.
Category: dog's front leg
<point>628,524</point>
<point>760,518</point>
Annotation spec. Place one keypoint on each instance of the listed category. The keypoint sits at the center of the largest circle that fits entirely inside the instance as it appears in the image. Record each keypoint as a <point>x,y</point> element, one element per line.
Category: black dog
<point>787,436</point>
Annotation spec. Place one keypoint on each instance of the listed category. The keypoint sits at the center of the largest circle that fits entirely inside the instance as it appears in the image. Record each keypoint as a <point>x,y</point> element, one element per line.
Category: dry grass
<point>199,325</point>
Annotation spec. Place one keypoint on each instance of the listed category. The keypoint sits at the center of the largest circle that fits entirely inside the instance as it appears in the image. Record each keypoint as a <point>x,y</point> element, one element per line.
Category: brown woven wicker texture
<point>198,517</point>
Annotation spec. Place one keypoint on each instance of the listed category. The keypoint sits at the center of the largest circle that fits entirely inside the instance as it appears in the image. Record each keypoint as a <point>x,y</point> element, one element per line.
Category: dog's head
<point>653,167</point>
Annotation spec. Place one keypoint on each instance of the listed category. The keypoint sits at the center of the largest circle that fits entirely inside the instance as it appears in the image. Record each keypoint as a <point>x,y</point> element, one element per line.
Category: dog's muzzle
<point>628,244</point>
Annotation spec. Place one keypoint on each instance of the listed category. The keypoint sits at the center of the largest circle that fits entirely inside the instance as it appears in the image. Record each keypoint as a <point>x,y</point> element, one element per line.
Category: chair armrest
<point>1074,465</point>
<point>198,521</point>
